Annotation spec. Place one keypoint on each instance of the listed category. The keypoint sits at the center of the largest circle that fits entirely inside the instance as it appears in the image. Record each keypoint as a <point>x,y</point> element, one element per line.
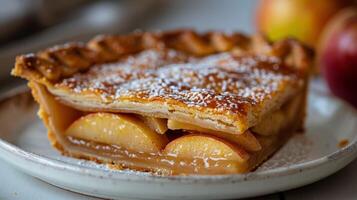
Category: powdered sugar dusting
<point>221,81</point>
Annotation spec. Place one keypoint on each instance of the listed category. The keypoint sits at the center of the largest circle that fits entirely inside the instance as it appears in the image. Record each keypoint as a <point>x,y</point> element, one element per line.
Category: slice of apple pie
<point>176,102</point>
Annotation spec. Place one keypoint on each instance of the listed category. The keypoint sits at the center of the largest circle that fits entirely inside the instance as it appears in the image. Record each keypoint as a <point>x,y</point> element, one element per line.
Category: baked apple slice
<point>197,146</point>
<point>126,131</point>
<point>157,124</point>
<point>247,140</point>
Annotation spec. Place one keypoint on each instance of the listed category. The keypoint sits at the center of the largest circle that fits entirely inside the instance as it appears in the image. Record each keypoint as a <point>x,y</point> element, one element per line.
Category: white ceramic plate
<point>304,159</point>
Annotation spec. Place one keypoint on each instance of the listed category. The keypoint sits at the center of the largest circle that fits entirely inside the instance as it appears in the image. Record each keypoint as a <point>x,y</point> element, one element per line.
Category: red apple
<point>337,55</point>
<point>302,19</point>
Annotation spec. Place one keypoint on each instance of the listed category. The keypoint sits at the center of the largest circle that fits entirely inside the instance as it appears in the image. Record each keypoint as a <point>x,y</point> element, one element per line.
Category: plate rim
<point>129,175</point>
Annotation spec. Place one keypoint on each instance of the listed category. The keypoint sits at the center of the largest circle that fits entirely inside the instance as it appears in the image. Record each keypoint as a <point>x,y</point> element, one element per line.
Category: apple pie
<point>175,102</point>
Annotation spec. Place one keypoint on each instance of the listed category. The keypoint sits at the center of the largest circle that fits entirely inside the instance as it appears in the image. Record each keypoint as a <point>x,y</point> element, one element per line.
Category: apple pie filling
<point>165,146</point>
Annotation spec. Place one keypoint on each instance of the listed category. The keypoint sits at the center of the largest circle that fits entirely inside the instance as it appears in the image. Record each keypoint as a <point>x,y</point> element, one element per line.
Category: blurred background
<point>328,26</point>
<point>29,25</point>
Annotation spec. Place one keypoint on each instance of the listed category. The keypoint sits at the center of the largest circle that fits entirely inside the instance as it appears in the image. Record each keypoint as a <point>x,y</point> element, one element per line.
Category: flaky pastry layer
<point>226,82</point>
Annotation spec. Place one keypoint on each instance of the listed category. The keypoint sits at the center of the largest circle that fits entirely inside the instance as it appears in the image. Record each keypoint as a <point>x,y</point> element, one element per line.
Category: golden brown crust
<point>59,62</point>
<point>45,118</point>
<point>56,66</point>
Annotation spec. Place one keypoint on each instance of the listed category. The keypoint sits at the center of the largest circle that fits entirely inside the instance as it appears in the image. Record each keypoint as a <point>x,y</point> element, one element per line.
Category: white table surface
<point>15,185</point>
<point>202,15</point>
